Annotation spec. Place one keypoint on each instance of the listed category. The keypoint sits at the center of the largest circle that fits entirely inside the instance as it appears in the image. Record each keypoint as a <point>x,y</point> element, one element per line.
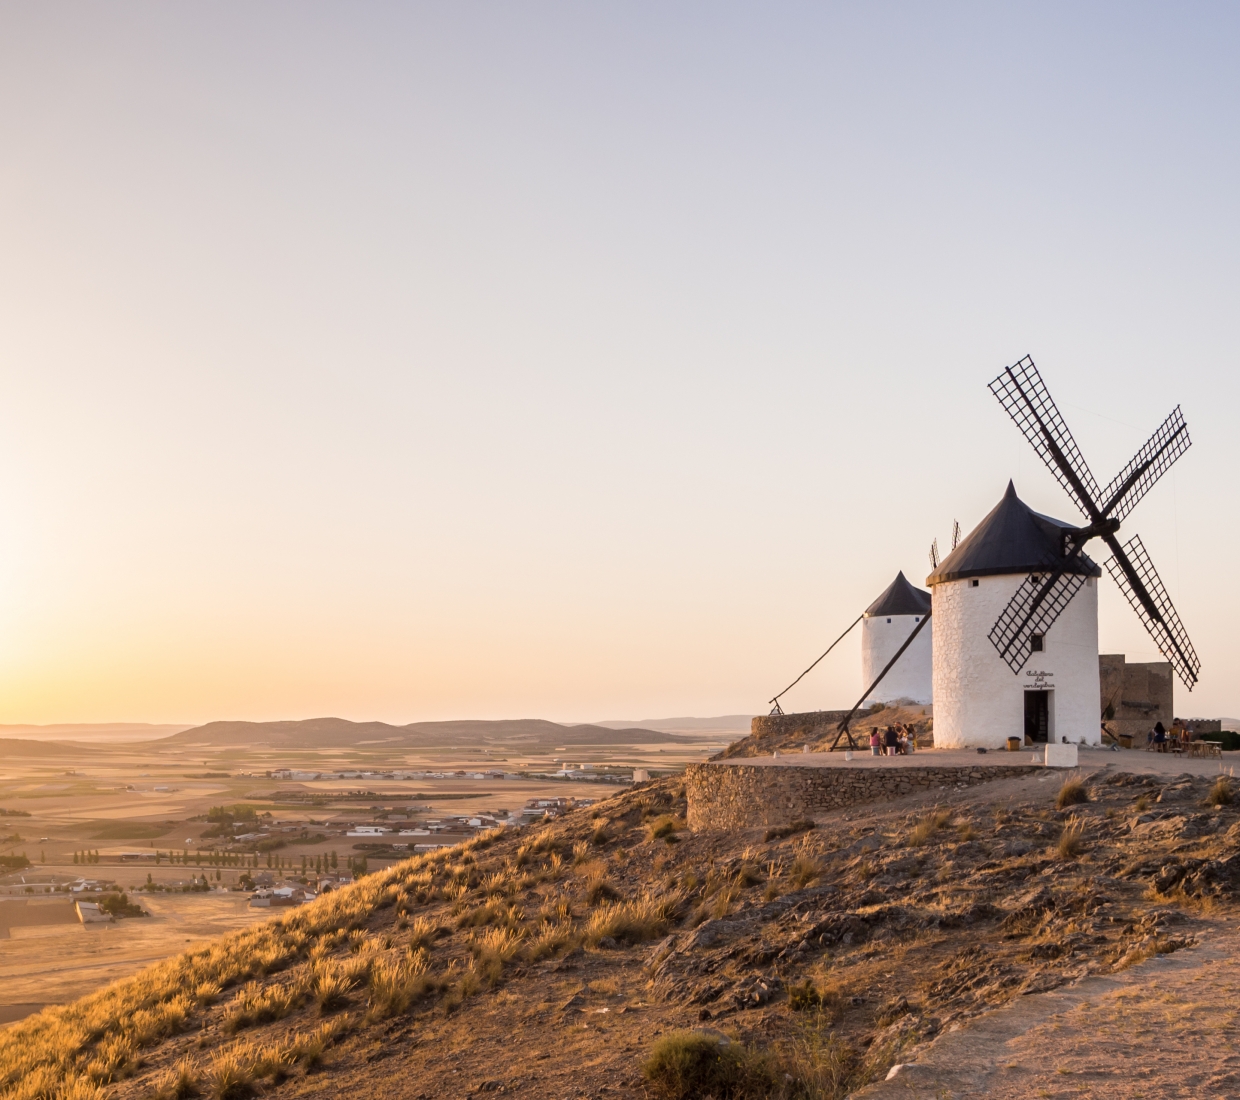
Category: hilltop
<point>550,961</point>
<point>786,738</point>
<point>528,734</point>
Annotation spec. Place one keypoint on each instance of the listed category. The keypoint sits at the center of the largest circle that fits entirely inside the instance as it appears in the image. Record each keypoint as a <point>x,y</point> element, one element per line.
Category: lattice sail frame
<point>1021,619</point>
<point>1024,395</point>
<point>1147,466</point>
<point>1169,633</point>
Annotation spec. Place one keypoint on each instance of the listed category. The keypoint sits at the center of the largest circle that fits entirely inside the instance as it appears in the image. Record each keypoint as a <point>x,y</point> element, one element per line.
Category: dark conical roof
<point>1012,539</point>
<point>900,598</point>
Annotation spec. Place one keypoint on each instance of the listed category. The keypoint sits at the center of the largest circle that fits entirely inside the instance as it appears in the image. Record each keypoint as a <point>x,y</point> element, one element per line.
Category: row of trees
<point>86,856</point>
<point>243,859</point>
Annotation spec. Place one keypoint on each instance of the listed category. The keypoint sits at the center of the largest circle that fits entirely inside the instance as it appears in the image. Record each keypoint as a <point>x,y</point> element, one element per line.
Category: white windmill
<point>1016,603</point>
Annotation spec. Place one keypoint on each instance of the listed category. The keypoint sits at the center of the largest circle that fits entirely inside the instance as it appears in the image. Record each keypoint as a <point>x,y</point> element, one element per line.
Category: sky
<point>580,361</point>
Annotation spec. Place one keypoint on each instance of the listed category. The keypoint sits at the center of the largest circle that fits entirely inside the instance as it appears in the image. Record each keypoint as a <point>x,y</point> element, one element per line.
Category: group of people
<point>1159,739</point>
<point>893,741</point>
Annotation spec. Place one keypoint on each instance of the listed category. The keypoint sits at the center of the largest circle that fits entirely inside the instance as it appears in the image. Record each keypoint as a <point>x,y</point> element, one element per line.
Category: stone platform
<point>777,790</point>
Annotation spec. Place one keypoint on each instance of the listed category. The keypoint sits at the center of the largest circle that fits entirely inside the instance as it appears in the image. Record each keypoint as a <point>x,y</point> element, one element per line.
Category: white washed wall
<point>978,701</point>
<point>912,675</point>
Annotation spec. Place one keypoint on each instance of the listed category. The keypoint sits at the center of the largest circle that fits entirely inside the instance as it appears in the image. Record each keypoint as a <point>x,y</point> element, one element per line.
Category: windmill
<point>1043,596</point>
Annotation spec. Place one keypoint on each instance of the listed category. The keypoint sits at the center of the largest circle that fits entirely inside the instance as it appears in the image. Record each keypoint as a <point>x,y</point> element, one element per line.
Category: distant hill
<point>11,747</point>
<point>534,734</point>
<point>94,731</point>
<point>724,723</point>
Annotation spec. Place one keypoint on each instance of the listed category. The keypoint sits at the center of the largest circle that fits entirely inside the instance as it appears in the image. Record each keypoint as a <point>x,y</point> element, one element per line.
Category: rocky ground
<point>842,950</point>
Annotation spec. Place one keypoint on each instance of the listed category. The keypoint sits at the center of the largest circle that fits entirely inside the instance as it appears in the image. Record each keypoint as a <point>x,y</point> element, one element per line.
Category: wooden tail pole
<point>843,729</point>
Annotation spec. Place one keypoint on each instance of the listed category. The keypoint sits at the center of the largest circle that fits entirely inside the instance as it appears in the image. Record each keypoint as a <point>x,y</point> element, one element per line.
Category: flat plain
<point>125,802</point>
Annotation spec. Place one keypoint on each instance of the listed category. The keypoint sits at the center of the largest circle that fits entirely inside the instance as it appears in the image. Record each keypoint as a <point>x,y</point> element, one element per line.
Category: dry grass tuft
<point>633,921</point>
<point>231,1075</point>
<point>395,985</point>
<point>1072,839</point>
<point>332,981</point>
<point>778,832</point>
<point>664,826</point>
<point>928,826</point>
<point>493,950</point>
<point>178,1082</point>
<point>1221,793</point>
<point>1072,793</point>
<point>598,889</point>
<point>259,1004</point>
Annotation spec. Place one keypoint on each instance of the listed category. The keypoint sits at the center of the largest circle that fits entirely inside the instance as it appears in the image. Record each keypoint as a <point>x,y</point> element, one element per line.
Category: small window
<point>973,583</point>
<point>889,620</point>
<point>1037,643</point>
<point>916,618</point>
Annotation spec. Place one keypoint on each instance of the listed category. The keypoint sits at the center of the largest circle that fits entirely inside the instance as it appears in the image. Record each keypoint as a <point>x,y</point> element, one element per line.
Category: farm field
<point>133,805</point>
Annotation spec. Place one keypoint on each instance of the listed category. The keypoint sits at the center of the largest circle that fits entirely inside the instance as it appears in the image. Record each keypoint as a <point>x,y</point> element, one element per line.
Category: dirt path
<point>1162,1029</point>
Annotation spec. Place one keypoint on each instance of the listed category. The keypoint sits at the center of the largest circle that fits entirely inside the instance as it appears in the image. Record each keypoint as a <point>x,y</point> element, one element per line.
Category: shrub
<point>1221,793</point>
<point>1072,793</point>
<point>804,995</point>
<point>688,1065</point>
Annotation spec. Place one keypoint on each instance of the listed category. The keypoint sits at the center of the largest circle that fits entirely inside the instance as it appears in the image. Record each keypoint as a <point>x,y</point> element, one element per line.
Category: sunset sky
<point>582,361</point>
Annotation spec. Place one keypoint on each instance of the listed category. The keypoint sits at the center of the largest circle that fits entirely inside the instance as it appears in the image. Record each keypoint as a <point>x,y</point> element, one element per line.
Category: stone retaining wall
<point>736,796</point>
<point>812,724</point>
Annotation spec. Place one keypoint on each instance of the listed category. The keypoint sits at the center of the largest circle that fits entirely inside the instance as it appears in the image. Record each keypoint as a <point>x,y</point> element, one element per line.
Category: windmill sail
<point>1038,602</point>
<point>1147,466</point>
<point>1137,578</point>
<point>1024,395</point>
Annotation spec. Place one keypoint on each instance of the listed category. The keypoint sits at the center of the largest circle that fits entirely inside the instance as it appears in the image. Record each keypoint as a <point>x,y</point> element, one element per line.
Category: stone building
<point>1134,696</point>
<point>978,701</point>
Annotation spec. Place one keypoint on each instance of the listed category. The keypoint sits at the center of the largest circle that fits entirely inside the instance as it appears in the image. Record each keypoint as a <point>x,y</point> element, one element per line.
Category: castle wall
<point>738,796</point>
<point>1137,695</point>
<point>978,701</point>
<point>912,675</point>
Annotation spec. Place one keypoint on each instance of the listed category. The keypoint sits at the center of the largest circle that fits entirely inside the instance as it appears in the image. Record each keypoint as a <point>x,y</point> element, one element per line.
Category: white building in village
<point>979,702</point>
<point>885,627</point>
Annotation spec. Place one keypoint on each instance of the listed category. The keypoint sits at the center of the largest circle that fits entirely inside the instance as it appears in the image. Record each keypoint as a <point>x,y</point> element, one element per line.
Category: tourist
<point>902,741</point>
<point>890,737</point>
<point>875,742</point>
<point>1160,737</point>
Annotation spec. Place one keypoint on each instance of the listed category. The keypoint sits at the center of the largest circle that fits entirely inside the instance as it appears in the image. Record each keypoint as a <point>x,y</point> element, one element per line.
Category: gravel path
<point>1165,1028</point>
